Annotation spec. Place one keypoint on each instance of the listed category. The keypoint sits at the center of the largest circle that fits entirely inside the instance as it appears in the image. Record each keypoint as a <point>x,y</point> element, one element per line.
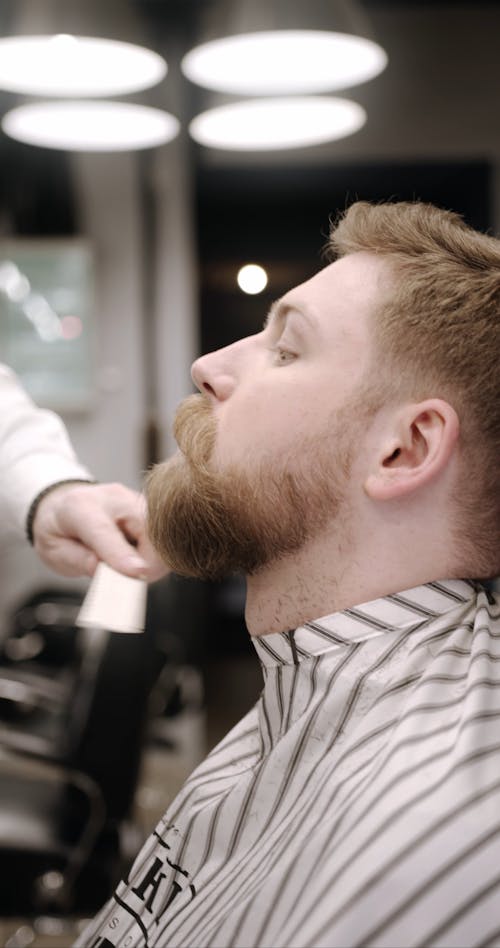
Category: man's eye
<point>282,356</point>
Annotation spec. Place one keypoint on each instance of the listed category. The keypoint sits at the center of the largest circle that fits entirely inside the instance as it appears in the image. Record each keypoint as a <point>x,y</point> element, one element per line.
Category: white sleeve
<point>35,450</point>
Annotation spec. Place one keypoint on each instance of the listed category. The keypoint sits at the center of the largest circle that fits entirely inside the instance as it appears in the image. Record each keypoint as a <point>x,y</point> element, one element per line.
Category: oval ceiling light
<point>90,126</point>
<point>284,61</point>
<point>287,122</point>
<point>65,65</point>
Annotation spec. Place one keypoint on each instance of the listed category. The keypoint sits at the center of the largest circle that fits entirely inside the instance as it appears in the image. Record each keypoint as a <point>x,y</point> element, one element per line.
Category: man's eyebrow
<point>275,311</point>
<point>279,311</point>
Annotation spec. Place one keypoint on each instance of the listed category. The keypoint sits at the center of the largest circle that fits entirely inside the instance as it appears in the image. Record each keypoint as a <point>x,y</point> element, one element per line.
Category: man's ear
<point>416,450</point>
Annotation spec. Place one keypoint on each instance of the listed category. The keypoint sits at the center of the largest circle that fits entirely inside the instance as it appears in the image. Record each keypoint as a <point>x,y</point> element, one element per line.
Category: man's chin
<point>209,518</point>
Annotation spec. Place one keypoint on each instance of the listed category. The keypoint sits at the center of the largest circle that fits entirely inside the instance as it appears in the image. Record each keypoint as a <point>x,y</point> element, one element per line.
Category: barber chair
<point>74,705</point>
<point>39,665</point>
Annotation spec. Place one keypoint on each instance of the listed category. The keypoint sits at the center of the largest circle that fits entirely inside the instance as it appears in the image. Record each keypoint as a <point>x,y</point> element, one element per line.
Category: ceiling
<point>443,72</point>
<point>433,132</point>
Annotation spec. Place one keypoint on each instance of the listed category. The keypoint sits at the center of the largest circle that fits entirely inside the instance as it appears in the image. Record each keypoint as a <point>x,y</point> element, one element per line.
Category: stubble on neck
<point>310,583</point>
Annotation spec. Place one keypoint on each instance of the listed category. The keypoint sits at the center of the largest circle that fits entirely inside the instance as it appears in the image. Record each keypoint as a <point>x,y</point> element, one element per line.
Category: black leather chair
<point>72,727</point>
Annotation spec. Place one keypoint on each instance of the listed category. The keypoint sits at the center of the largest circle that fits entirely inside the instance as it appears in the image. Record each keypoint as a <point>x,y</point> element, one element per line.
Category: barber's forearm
<point>29,479</point>
<point>35,450</point>
<point>72,525</point>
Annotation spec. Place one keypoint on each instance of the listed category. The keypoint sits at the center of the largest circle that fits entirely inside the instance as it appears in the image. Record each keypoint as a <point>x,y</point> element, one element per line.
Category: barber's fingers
<point>110,542</point>
<point>68,557</point>
<point>153,566</point>
<point>110,520</point>
<point>108,523</point>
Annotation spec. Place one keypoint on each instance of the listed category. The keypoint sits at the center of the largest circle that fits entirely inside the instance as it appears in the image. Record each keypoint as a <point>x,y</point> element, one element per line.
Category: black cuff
<point>43,493</point>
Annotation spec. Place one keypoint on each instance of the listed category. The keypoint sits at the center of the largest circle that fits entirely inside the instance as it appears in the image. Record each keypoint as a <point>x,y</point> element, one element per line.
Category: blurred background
<point>134,251</point>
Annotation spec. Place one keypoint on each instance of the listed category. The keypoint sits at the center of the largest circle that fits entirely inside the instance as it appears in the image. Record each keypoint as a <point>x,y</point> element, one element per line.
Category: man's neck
<point>323,578</point>
<point>289,592</point>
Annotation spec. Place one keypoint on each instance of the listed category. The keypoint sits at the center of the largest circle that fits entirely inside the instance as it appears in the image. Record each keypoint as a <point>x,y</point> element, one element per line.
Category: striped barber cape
<point>358,803</point>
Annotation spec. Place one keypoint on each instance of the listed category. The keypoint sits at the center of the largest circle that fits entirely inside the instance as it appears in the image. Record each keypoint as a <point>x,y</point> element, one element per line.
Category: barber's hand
<point>77,525</point>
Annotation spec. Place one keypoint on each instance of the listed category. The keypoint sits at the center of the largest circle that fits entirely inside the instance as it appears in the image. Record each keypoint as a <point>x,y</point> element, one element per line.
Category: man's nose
<point>212,375</point>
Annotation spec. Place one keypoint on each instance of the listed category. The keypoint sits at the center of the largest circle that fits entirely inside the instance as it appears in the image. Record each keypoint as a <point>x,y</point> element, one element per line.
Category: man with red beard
<point>346,460</point>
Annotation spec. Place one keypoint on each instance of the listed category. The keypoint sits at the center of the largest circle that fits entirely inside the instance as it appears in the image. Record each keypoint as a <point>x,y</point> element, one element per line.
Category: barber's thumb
<point>123,557</point>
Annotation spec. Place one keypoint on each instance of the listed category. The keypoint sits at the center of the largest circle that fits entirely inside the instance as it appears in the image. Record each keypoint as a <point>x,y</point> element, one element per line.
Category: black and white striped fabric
<point>358,804</point>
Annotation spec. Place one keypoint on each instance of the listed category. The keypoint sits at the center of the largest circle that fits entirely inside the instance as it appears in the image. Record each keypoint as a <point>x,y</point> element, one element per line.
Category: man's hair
<point>437,334</point>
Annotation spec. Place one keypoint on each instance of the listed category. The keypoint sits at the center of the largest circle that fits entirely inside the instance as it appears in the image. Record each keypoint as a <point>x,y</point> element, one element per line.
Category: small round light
<point>252,278</point>
<point>284,61</point>
<point>287,122</point>
<point>90,126</point>
<point>64,65</point>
